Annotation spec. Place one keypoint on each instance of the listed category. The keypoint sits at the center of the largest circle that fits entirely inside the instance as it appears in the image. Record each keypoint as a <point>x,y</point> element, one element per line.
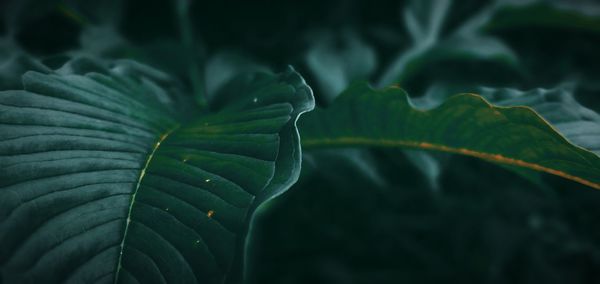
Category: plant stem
<point>187,38</point>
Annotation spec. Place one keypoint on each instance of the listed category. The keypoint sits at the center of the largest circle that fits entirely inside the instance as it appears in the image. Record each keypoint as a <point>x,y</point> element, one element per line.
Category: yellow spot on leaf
<point>425,145</point>
<point>210,213</point>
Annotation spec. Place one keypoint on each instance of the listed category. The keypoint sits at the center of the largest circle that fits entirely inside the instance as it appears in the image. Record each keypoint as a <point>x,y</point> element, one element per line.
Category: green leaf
<point>337,60</point>
<point>511,18</point>
<point>464,124</point>
<point>107,178</point>
<point>578,124</point>
<point>257,88</point>
<point>432,42</point>
<point>523,25</point>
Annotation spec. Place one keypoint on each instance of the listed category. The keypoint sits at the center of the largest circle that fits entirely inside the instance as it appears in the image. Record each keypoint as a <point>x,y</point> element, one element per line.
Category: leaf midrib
<point>133,196</point>
<point>496,158</point>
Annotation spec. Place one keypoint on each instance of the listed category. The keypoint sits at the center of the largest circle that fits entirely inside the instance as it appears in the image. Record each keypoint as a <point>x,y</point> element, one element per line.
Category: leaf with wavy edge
<point>464,124</point>
<point>106,179</point>
<point>558,106</point>
<point>580,125</point>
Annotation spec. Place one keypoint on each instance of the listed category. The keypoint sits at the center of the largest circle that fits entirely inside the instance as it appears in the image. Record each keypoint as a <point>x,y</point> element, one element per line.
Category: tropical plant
<point>152,142</point>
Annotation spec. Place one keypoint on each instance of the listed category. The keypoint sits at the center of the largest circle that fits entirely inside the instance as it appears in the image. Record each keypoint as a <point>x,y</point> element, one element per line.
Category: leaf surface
<point>464,124</point>
<point>106,179</point>
<point>580,125</point>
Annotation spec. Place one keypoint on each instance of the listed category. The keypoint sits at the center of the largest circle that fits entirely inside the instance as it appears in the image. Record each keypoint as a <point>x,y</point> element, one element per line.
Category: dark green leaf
<point>104,177</point>
<point>580,125</point>
<point>464,124</point>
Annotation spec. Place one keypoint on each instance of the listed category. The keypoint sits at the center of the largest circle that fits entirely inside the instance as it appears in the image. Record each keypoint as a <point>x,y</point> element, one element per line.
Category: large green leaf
<point>464,124</point>
<point>466,45</point>
<point>578,124</point>
<point>106,178</point>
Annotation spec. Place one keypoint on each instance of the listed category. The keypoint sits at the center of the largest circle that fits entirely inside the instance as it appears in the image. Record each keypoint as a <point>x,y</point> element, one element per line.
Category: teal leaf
<point>432,41</point>
<point>338,60</point>
<point>106,177</point>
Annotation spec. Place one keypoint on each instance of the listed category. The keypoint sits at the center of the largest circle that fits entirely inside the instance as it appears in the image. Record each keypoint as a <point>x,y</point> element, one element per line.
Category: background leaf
<point>336,61</point>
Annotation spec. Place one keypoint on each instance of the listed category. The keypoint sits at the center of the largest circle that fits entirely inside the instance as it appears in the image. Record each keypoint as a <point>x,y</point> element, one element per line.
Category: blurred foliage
<point>370,215</point>
<point>488,226</point>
